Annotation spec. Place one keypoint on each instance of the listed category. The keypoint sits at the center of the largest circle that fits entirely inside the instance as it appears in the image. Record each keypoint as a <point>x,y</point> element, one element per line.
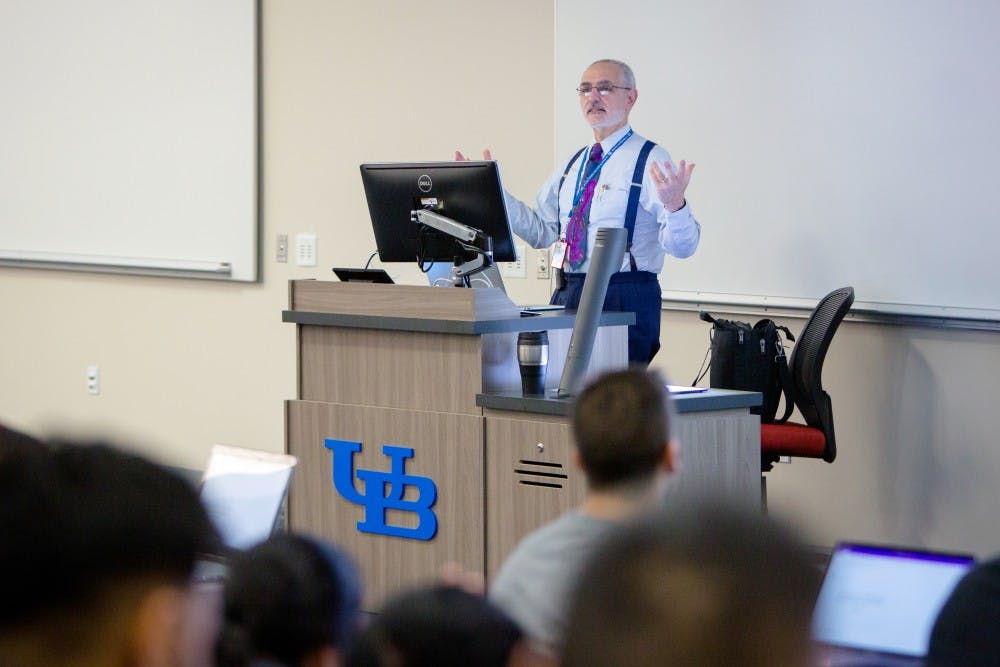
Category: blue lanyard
<point>580,187</point>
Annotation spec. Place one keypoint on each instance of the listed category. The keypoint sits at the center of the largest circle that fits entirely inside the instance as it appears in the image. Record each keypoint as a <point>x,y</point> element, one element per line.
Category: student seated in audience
<point>97,553</point>
<point>290,601</point>
<point>967,630</point>
<point>12,442</point>
<point>714,587</point>
<point>441,626</point>
<point>620,424</point>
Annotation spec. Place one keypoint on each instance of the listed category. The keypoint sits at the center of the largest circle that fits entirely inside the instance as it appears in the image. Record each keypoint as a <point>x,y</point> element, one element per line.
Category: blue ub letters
<point>384,490</point>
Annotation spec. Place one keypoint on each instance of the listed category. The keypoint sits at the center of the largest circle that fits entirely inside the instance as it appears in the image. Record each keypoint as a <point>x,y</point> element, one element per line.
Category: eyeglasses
<point>605,88</point>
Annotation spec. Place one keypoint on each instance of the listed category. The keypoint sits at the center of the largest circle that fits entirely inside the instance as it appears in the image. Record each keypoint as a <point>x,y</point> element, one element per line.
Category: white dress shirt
<point>657,231</point>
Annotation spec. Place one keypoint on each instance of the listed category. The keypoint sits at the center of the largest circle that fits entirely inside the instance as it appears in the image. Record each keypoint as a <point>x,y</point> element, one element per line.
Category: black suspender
<point>635,189</point>
<point>563,179</point>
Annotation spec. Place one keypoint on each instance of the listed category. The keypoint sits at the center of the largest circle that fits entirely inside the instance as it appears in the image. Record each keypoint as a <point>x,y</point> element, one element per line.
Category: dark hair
<point>713,586</point>
<point>439,626</point>
<point>967,630</point>
<point>17,443</point>
<point>286,598</point>
<point>78,518</point>
<point>621,427</point>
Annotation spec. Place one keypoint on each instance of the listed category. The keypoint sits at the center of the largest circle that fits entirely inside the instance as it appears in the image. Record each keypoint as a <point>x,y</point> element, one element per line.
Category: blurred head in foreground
<point>98,550</point>
<point>438,626</point>
<point>290,600</point>
<point>713,586</point>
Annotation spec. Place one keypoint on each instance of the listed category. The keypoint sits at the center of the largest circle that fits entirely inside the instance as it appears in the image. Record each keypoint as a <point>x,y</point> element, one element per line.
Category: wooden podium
<point>391,442</point>
<point>416,447</point>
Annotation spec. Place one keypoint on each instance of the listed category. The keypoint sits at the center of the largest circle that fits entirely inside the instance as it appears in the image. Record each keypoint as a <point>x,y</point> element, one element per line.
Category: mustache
<point>595,106</point>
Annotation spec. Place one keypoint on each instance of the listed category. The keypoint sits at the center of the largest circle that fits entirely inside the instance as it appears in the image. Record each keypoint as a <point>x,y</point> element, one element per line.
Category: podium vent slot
<point>540,473</point>
<point>529,462</point>
<point>542,484</point>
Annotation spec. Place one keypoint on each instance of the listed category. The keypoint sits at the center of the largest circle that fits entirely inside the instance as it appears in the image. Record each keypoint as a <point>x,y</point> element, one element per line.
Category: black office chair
<point>815,438</point>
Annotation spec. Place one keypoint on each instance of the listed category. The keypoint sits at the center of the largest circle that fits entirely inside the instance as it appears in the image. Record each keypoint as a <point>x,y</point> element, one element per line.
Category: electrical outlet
<point>542,264</point>
<point>516,269</point>
<point>281,249</point>
<point>305,250</point>
<point>93,380</point>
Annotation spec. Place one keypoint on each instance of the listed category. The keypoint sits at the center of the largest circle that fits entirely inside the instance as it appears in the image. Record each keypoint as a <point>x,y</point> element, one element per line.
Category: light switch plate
<point>305,250</point>
<point>281,249</point>
<point>516,269</point>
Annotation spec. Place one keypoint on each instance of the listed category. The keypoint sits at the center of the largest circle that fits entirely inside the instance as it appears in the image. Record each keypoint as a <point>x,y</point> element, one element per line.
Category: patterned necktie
<point>579,218</point>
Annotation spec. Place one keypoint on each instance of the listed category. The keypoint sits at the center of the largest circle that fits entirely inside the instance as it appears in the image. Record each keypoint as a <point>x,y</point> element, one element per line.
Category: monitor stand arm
<point>469,238</point>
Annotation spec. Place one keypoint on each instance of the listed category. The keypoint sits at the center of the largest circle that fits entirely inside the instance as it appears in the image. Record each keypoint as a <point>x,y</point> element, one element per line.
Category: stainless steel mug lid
<point>533,338</point>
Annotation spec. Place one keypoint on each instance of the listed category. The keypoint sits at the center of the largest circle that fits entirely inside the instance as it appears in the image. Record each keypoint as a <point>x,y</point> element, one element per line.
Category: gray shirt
<point>536,581</point>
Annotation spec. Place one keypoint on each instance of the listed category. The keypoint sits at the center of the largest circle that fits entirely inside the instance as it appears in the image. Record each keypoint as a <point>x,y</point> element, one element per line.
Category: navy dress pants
<point>630,291</point>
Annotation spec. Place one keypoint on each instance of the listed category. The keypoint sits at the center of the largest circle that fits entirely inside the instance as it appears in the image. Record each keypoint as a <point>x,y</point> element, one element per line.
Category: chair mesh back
<point>807,362</point>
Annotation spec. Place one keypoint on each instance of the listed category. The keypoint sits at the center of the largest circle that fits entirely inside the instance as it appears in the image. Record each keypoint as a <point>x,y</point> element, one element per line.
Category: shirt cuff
<point>683,210</point>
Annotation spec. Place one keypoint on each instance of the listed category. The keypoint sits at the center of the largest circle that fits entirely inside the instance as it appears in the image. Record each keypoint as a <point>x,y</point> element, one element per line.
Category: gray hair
<point>627,73</point>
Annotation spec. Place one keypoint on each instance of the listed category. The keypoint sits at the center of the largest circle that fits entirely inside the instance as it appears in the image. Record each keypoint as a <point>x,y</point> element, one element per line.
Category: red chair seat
<point>791,439</point>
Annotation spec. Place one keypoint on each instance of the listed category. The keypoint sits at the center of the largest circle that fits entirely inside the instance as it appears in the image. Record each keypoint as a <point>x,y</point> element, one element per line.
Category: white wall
<point>821,130</point>
<point>185,364</point>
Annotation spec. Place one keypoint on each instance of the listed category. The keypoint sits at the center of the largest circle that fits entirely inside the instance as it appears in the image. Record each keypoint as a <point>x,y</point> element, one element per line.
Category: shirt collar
<point>613,139</point>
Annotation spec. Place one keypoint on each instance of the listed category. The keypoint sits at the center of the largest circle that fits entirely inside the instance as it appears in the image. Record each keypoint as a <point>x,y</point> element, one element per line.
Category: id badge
<point>558,254</point>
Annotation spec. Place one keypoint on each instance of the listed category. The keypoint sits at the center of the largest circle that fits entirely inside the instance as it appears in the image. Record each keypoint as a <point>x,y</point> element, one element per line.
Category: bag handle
<point>784,376</point>
<point>787,389</point>
<point>781,361</point>
<point>705,316</point>
<point>704,366</point>
<point>723,324</point>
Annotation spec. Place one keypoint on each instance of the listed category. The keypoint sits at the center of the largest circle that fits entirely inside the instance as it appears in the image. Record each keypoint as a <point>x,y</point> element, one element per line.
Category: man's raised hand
<point>486,155</point>
<point>671,184</point>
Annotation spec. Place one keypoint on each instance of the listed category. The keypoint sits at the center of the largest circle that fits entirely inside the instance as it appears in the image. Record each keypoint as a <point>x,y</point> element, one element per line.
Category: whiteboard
<point>836,143</point>
<point>129,136</point>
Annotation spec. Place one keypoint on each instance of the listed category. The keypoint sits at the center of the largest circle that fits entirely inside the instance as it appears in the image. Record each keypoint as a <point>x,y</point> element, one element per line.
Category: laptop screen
<point>243,491</point>
<point>883,598</point>
<point>439,275</point>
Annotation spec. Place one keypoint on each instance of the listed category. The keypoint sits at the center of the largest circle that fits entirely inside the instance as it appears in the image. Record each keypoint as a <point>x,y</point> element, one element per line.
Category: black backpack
<point>751,358</point>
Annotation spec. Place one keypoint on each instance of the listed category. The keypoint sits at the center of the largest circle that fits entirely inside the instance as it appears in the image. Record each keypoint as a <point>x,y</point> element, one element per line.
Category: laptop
<point>877,604</point>
<point>439,275</point>
<point>243,491</point>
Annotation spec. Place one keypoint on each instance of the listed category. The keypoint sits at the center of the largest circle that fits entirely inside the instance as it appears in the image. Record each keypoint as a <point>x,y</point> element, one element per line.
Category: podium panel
<point>389,495</point>
<point>719,456</point>
<point>418,370</point>
<point>531,476</point>
<point>530,480</point>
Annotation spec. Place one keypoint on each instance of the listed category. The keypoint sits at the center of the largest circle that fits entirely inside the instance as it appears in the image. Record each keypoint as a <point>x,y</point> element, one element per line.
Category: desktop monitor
<point>468,192</point>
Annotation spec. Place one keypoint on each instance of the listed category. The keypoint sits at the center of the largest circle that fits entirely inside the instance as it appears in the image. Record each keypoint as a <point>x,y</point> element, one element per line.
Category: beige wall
<point>917,456</point>
<point>185,364</point>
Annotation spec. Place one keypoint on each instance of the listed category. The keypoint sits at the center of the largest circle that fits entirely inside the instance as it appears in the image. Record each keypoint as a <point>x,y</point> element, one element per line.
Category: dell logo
<point>424,183</point>
<point>384,490</point>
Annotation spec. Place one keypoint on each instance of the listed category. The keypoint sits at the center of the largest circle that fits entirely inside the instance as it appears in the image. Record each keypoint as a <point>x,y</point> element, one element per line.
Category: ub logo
<point>384,490</point>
